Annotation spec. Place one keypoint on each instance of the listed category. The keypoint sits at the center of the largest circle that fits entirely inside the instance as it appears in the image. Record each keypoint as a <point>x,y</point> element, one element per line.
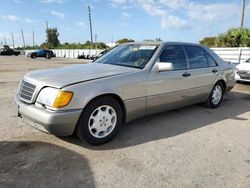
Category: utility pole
<point>95,40</point>
<point>47,25</point>
<point>23,38</point>
<point>13,41</point>
<point>33,38</point>
<point>243,13</point>
<point>90,26</point>
<point>5,42</point>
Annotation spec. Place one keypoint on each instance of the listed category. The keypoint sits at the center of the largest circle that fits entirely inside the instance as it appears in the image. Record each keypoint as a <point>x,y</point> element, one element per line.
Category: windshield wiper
<point>124,65</point>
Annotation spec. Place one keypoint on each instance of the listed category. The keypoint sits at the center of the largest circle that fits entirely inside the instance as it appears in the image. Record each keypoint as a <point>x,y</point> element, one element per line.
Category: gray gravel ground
<point>188,147</point>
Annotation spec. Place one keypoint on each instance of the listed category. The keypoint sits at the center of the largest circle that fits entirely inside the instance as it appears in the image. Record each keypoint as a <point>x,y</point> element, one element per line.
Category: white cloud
<point>30,20</point>
<point>126,15</point>
<point>58,14</point>
<point>53,1</point>
<point>19,1</point>
<point>81,24</point>
<point>179,14</point>
<point>167,20</point>
<point>11,18</point>
<point>211,12</point>
<point>118,1</point>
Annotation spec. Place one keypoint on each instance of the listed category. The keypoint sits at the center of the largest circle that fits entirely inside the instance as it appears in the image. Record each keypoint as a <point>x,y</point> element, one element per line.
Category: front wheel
<point>33,56</point>
<point>215,98</point>
<point>48,56</point>
<point>100,121</point>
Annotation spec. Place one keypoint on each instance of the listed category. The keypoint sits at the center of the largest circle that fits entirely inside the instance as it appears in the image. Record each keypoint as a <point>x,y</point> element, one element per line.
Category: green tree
<point>124,40</point>
<point>235,37</point>
<point>209,41</point>
<point>52,38</point>
<point>158,39</point>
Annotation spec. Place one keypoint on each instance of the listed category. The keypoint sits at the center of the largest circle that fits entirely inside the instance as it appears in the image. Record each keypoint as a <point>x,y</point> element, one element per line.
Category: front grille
<point>244,74</point>
<point>26,91</point>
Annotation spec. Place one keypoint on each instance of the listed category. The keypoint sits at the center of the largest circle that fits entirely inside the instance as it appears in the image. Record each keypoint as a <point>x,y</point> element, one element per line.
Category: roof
<point>163,43</point>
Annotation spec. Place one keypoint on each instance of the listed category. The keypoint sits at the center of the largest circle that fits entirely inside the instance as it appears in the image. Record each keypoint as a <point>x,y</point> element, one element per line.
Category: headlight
<point>54,98</point>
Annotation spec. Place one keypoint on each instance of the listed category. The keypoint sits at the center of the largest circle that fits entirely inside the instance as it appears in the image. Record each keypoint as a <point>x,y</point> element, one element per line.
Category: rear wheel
<point>216,96</point>
<point>100,121</point>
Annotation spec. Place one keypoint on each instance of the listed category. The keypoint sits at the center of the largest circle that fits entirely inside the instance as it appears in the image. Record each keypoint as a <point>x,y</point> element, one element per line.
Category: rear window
<point>197,57</point>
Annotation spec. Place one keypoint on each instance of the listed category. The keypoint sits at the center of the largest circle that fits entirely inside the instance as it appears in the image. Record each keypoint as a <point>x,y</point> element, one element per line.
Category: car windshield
<point>129,55</point>
<point>248,61</point>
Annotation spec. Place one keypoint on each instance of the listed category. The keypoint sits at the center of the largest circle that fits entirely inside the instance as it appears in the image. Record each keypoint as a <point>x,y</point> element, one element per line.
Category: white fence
<point>234,55</point>
<point>71,53</point>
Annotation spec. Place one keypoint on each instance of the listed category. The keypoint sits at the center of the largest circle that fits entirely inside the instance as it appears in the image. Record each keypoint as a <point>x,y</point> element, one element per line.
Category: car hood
<point>68,75</point>
<point>244,66</point>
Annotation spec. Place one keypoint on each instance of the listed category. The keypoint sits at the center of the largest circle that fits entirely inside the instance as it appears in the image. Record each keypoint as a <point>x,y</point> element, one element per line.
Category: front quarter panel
<point>131,88</point>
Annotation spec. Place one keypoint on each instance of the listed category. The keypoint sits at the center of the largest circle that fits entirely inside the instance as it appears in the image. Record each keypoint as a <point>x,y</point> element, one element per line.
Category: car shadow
<point>39,164</point>
<point>173,123</point>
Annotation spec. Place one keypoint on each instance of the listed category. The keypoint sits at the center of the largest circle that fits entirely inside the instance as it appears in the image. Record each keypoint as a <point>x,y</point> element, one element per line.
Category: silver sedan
<point>130,81</point>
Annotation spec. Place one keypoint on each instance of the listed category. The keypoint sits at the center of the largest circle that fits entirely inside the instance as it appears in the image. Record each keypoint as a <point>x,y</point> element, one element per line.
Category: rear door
<point>167,90</point>
<point>203,70</point>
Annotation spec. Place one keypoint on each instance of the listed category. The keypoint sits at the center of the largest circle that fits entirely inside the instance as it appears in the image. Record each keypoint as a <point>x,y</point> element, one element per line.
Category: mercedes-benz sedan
<point>130,81</point>
<point>243,71</point>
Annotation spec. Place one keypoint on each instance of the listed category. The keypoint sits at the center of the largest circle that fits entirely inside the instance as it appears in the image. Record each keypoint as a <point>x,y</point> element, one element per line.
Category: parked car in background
<point>130,81</point>
<point>6,50</point>
<point>83,56</point>
<point>91,56</point>
<point>95,57</point>
<point>243,71</point>
<point>42,53</point>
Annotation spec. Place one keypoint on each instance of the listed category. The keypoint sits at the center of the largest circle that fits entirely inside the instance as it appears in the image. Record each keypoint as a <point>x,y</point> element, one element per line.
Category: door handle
<point>214,70</point>
<point>186,74</point>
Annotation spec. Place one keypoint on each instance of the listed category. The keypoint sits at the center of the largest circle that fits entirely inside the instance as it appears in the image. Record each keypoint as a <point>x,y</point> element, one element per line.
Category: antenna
<point>90,26</point>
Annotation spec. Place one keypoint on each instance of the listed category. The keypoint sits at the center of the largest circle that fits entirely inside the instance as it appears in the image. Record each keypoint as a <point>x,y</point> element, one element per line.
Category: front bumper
<point>57,123</point>
<point>238,78</point>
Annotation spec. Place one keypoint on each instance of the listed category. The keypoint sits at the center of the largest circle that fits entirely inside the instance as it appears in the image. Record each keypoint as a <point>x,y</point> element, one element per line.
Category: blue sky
<point>171,20</point>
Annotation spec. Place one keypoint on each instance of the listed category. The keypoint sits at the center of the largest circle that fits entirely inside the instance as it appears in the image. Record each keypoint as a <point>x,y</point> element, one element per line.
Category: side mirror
<point>163,66</point>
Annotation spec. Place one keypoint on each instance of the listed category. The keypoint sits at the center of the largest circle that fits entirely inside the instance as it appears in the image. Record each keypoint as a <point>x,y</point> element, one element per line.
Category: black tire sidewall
<point>33,56</point>
<point>82,129</point>
<point>47,55</point>
<point>211,104</point>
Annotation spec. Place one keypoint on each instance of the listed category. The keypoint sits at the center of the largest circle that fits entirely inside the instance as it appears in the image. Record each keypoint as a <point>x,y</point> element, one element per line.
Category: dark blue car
<point>42,53</point>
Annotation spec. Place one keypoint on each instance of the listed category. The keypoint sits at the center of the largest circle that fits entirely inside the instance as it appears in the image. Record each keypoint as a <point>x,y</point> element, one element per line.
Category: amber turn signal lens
<point>63,98</point>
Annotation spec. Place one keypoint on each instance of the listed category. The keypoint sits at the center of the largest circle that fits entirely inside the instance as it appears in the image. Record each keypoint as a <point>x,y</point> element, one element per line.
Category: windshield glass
<point>248,61</point>
<point>129,55</point>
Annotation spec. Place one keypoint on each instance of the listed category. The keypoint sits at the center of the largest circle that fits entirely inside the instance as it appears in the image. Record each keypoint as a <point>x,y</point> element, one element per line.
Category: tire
<point>99,129</point>
<point>48,56</point>
<point>214,100</point>
<point>33,56</point>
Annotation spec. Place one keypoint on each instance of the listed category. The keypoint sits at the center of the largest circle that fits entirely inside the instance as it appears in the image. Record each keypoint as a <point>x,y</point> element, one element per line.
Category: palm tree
<point>242,14</point>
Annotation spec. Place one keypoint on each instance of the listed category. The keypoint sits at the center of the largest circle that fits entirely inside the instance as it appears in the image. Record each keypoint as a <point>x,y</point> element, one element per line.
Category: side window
<point>175,55</point>
<point>197,57</point>
<point>210,60</point>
